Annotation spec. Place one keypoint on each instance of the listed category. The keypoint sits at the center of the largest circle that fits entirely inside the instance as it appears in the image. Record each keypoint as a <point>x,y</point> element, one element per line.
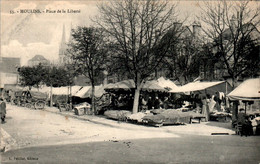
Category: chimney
<point>196,29</point>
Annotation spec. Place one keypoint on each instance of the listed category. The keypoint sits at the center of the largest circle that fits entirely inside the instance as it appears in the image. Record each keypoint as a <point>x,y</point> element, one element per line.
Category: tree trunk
<point>51,103</point>
<point>138,84</point>
<point>93,100</point>
<point>136,99</point>
<point>70,98</point>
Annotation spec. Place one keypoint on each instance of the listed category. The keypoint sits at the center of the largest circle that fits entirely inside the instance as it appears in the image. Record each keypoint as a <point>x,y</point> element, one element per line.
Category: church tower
<point>63,58</point>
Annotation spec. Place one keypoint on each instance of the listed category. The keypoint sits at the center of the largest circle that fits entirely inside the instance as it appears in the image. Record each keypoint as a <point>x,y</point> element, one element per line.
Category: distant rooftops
<point>37,59</point>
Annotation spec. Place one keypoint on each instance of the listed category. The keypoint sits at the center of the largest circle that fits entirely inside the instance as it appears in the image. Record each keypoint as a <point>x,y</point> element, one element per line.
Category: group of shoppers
<point>205,103</point>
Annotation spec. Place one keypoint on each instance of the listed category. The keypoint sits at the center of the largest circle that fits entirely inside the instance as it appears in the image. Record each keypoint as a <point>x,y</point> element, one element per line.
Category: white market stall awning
<point>128,85</point>
<point>81,93</point>
<point>75,89</point>
<point>86,92</point>
<point>60,90</point>
<point>248,90</point>
<point>199,86</point>
<point>168,84</point>
<point>99,91</point>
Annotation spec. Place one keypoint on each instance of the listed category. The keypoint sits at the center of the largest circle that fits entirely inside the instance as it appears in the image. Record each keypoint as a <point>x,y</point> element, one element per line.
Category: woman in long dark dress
<point>205,108</point>
<point>156,103</point>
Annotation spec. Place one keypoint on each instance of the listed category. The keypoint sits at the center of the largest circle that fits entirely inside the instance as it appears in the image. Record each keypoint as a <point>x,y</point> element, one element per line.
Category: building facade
<point>8,71</point>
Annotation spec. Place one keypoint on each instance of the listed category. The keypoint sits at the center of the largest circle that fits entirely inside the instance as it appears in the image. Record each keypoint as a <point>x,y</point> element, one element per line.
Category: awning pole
<point>226,87</point>
<point>245,107</point>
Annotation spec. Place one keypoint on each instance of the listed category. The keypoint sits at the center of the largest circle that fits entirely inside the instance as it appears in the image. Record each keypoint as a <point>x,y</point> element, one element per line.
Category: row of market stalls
<point>164,89</point>
<point>161,85</point>
<point>246,91</point>
<point>222,89</point>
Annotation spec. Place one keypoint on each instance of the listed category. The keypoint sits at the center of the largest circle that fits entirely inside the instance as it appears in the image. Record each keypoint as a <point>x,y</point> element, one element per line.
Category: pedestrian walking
<point>2,110</point>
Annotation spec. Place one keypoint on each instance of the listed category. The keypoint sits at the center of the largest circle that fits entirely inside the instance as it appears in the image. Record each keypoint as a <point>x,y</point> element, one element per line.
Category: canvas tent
<point>128,85</point>
<point>86,92</point>
<point>167,84</point>
<point>82,91</point>
<point>75,89</point>
<point>60,90</point>
<point>248,90</point>
<point>209,87</point>
<point>55,90</point>
<point>99,91</point>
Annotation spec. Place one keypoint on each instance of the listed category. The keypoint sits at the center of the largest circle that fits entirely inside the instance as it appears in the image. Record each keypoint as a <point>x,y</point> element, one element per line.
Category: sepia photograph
<point>130,81</point>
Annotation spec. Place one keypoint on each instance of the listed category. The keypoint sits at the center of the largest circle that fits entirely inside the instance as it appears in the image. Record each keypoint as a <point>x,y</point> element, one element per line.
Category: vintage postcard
<point>129,81</point>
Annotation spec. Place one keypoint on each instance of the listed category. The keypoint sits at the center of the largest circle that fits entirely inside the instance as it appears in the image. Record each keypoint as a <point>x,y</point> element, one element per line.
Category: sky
<point>25,35</point>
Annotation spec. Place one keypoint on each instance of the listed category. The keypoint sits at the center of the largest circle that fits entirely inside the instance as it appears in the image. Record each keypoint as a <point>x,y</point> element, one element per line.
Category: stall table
<point>221,117</point>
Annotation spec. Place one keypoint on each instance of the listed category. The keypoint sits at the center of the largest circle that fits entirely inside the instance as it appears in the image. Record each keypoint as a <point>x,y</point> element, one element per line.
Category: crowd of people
<point>200,103</point>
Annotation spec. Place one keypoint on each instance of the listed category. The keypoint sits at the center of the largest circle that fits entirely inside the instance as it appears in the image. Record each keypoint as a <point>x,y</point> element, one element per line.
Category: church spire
<point>70,37</point>
<point>63,42</point>
<point>63,47</point>
<point>63,39</point>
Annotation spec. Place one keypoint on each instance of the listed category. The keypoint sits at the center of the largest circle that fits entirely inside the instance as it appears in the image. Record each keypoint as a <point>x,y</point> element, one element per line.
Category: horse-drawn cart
<point>31,99</point>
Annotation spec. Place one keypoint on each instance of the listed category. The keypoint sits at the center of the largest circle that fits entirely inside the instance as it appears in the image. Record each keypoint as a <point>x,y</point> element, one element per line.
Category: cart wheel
<point>28,105</point>
<point>39,105</point>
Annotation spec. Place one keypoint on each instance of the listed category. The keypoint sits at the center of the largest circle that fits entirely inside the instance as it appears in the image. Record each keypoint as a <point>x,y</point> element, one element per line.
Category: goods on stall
<point>157,111</point>
<point>82,108</point>
<point>120,115</point>
<point>176,117</point>
<point>137,117</point>
<point>103,104</point>
<point>220,116</point>
<point>154,120</point>
<point>170,116</point>
<point>194,114</point>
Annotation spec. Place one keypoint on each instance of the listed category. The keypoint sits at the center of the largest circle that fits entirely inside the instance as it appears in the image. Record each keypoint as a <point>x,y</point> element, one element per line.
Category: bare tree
<point>232,28</point>
<point>87,51</point>
<point>136,29</point>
